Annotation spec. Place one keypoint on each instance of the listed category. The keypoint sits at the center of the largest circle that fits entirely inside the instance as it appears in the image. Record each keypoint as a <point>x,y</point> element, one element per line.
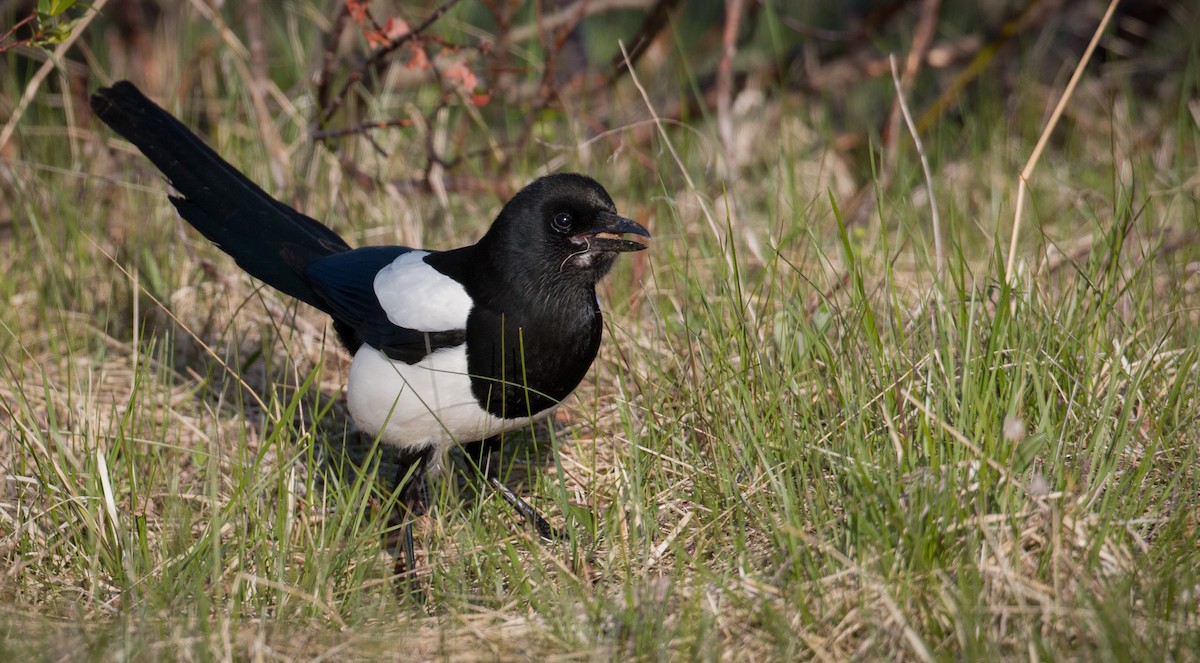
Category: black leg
<point>530,514</point>
<point>409,481</point>
<point>476,454</point>
<point>410,552</point>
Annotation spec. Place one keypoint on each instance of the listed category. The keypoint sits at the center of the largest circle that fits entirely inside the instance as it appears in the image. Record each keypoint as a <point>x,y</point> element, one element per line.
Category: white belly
<point>421,405</point>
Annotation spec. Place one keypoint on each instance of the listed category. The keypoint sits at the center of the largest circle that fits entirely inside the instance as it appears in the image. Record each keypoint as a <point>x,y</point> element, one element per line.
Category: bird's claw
<point>544,529</point>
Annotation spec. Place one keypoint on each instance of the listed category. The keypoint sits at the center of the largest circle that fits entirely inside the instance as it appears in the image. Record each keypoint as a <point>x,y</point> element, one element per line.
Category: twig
<point>1027,171</point>
<point>325,73</point>
<point>984,56</point>
<point>360,128</point>
<point>11,31</point>
<point>939,255</point>
<point>655,21</point>
<point>856,67</point>
<point>875,19</point>
<point>43,71</point>
<point>572,14</point>
<point>547,91</point>
<point>378,57</point>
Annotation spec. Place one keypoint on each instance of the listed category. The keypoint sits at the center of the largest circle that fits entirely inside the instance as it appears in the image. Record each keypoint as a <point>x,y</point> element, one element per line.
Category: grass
<point>827,454</point>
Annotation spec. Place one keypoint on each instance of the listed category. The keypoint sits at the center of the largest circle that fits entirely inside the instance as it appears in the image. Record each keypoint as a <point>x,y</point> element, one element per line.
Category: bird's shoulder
<point>415,294</point>
<point>390,298</point>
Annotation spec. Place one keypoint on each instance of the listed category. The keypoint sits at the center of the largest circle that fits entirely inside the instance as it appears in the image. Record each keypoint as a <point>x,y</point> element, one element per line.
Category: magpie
<point>448,347</point>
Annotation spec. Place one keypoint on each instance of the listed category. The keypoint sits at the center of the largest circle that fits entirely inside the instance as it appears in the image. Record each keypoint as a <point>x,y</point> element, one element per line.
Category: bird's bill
<point>609,234</point>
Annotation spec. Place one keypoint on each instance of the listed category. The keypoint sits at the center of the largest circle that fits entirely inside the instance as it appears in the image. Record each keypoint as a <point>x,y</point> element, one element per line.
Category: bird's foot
<point>544,529</point>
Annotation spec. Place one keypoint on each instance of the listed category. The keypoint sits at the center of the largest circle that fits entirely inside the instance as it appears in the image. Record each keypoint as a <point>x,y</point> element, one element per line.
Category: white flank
<point>417,296</point>
<point>421,405</point>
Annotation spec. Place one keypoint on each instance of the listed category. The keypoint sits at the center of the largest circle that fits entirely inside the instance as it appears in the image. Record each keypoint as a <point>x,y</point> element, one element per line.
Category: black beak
<point>608,234</point>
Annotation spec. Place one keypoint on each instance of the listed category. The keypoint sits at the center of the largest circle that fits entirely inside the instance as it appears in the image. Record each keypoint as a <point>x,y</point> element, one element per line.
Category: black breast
<point>525,360</point>
<point>527,347</point>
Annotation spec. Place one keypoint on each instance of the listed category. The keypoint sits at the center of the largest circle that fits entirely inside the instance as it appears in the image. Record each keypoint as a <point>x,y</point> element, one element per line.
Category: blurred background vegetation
<point>485,77</point>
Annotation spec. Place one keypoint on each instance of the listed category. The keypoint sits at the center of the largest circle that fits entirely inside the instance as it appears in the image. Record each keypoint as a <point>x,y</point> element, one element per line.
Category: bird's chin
<point>594,261</point>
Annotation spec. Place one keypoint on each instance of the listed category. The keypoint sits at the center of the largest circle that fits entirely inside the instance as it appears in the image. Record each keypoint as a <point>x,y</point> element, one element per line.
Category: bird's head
<point>565,225</point>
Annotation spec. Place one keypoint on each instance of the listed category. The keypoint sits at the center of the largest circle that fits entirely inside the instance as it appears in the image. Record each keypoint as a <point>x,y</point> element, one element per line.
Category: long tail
<point>267,238</point>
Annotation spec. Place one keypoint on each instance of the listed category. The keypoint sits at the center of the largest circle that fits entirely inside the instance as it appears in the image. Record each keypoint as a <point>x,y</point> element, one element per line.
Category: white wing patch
<point>417,296</point>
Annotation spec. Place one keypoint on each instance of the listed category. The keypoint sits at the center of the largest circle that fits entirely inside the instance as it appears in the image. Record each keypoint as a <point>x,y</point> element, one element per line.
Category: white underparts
<point>424,404</point>
<point>430,403</point>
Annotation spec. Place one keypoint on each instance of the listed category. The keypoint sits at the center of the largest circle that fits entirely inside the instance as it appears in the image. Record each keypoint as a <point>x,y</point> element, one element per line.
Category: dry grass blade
<point>207,348</point>
<point>1027,171</point>
<point>934,218</point>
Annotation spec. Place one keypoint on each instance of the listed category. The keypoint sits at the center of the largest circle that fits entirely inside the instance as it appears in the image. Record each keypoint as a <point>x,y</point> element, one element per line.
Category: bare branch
<point>655,21</point>
<point>378,57</point>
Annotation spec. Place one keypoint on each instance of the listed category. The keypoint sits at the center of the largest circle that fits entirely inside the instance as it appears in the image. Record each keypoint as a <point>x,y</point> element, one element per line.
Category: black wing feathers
<point>223,204</point>
<point>346,284</point>
<point>293,253</point>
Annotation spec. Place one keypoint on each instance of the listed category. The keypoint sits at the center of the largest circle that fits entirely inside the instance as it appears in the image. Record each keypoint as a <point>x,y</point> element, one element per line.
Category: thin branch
<point>35,82</point>
<point>572,14</point>
<point>360,128</point>
<point>379,56</point>
<point>547,91</point>
<point>877,18</point>
<point>984,57</point>
<point>655,21</point>
<point>12,30</point>
<point>325,73</point>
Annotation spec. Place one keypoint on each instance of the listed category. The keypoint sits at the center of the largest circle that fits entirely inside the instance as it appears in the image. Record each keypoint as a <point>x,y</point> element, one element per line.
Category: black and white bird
<point>448,346</point>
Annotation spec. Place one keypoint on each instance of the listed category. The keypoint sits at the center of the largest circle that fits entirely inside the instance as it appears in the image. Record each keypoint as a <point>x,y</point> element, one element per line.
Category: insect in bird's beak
<point>609,234</point>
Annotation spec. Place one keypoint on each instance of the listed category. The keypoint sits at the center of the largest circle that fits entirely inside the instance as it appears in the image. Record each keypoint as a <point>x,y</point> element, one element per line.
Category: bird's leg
<point>412,498</point>
<point>410,552</point>
<point>409,564</point>
<point>476,454</point>
<point>530,514</point>
<point>410,480</point>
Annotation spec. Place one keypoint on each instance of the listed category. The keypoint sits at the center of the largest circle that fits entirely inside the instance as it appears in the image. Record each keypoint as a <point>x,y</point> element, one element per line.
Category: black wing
<point>346,284</point>
<point>220,202</point>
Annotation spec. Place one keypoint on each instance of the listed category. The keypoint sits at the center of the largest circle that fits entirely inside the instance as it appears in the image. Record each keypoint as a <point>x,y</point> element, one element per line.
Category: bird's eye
<point>562,222</point>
